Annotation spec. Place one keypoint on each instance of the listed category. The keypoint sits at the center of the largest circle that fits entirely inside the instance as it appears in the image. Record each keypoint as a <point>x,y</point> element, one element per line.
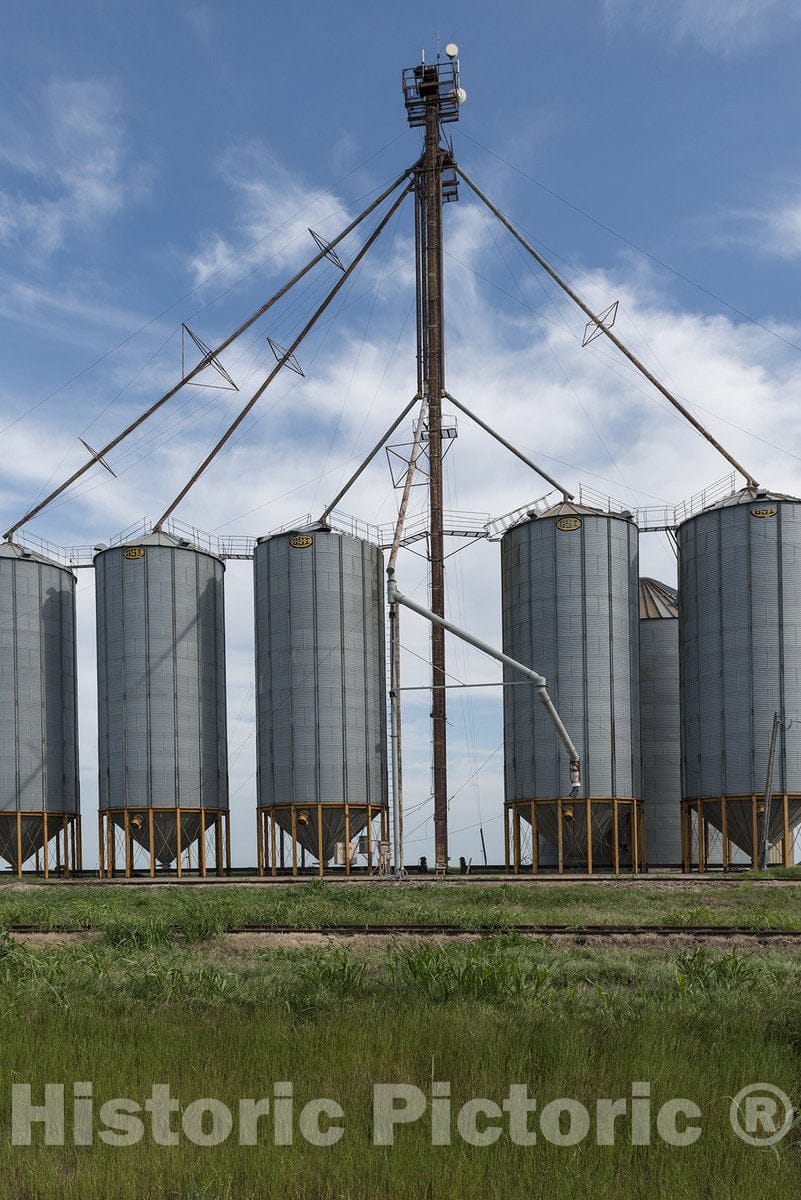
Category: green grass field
<point>141,1006</point>
<point>199,912</point>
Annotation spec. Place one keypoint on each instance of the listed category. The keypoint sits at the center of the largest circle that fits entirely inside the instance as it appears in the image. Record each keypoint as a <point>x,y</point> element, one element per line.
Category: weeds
<point>439,974</point>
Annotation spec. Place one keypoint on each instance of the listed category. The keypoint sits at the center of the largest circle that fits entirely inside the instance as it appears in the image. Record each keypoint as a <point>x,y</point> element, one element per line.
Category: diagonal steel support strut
<point>340,283</point>
<point>204,362</point>
<point>605,330</point>
<point>508,445</point>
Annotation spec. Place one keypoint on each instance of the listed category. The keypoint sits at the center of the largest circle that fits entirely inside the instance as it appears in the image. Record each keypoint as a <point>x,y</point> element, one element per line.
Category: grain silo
<point>320,697</point>
<point>740,654</point>
<point>660,723</point>
<point>39,794</point>
<point>570,611</point>
<point>161,701</point>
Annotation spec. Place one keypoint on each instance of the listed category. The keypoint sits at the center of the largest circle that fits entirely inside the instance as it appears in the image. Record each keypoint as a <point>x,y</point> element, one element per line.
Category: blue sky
<point>160,163</point>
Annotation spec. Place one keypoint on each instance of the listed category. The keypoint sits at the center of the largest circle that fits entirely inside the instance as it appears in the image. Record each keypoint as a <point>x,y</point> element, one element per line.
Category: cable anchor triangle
<point>212,361</point>
<point>606,320</point>
<point>97,457</point>
<point>284,358</point>
<point>328,250</point>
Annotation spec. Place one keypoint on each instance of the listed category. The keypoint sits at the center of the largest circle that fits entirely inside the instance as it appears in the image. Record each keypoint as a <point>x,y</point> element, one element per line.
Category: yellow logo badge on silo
<point>568,524</point>
<point>301,541</point>
<point>764,512</point>
<point>133,552</point>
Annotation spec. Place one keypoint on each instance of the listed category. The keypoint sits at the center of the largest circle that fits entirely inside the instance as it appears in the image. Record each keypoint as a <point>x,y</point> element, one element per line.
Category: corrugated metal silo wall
<point>38,690</point>
<point>660,732</point>
<point>161,679</point>
<point>571,611</point>
<point>740,638</point>
<point>320,668</point>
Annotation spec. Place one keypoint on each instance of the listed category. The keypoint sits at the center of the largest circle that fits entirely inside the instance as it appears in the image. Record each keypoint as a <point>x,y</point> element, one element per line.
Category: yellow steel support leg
<point>19,844</point>
<point>218,844</point>
<point>535,840</point>
<point>559,837</point>
<point>128,854</point>
<point>347,839</point>
<point>506,838</point>
<point>294,841</point>
<point>786,833</point>
<point>272,843</point>
<point>320,839</point>
<point>111,848</point>
<point>201,850</point>
<point>516,834</point>
<point>615,836</point>
<point>589,836</point>
<point>724,833</point>
<point>178,846</point>
<point>46,847</point>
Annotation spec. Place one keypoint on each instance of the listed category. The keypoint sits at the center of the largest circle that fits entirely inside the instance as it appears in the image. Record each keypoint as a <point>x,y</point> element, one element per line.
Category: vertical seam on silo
<point>782,677</point>
<point>612,690</point>
<point>318,797</point>
<point>378,566</point>
<point>342,684</point>
<point>366,676</point>
<point>63,707</point>
<point>76,756</point>
<point>221,670</point>
<point>123,682</point>
<point>635,730</point>
<point>257,657</point>
<point>721,694</point>
<point>176,738</point>
<point>751,662</point>
<point>42,687</point>
<point>40,624</point>
<point>15,658</point>
<point>290,679</point>
<point>201,738</point>
<point>585,716</point>
<point>149,681</point>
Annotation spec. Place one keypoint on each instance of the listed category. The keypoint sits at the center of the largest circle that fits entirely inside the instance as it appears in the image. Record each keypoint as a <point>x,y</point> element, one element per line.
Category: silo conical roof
<point>657,599</point>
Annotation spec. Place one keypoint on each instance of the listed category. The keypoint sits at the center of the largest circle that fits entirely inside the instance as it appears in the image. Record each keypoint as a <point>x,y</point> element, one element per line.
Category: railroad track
<point>589,931</point>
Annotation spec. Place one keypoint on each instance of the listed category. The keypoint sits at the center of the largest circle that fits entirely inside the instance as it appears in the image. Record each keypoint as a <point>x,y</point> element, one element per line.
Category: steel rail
<point>484,930</point>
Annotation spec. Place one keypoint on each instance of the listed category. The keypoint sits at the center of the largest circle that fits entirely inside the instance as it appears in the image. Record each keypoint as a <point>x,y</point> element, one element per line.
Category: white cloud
<point>66,166</point>
<point>273,212</point>
<point>726,26</point>
<point>780,229</point>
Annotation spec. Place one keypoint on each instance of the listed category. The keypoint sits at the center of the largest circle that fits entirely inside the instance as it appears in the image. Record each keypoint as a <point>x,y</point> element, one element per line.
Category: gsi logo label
<point>301,541</point>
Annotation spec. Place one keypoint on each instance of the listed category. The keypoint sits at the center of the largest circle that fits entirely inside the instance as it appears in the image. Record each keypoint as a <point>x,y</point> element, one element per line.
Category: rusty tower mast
<point>433,94</point>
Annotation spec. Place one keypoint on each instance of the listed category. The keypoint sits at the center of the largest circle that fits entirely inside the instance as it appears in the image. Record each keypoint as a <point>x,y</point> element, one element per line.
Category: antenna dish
<point>461,95</point>
<point>452,50</point>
